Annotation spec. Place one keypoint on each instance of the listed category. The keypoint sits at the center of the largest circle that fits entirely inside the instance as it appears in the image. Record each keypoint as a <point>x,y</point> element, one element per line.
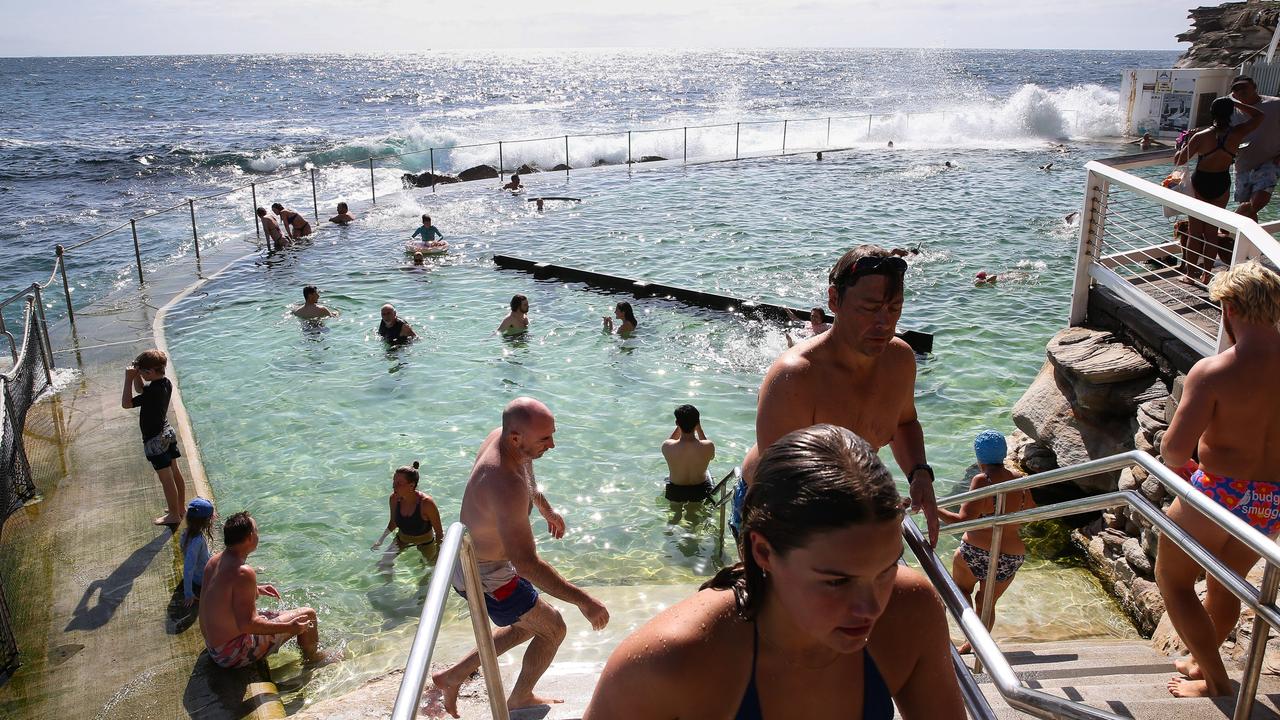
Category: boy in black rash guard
<point>159,441</point>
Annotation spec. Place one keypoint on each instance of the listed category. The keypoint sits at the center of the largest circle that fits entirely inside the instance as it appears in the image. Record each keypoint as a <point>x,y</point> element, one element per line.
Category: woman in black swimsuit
<point>414,517</point>
<point>819,620</point>
<point>1215,150</point>
<point>294,224</point>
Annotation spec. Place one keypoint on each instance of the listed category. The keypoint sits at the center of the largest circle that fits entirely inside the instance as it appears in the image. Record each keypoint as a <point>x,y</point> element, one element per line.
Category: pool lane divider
<point>920,342</point>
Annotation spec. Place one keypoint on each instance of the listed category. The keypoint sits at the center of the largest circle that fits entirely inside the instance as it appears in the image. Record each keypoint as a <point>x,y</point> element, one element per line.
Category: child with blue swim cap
<point>972,559</point>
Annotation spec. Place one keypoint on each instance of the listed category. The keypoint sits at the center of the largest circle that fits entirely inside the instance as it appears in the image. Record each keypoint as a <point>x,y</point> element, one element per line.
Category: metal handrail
<point>456,548</point>
<point>1260,600</point>
<point>1018,696</point>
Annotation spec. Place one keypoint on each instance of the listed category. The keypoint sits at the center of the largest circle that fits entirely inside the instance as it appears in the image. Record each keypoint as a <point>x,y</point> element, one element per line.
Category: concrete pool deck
<point>93,586</point>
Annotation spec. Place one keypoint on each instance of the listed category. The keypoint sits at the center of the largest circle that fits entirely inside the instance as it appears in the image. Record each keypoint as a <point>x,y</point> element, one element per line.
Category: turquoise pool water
<point>303,424</point>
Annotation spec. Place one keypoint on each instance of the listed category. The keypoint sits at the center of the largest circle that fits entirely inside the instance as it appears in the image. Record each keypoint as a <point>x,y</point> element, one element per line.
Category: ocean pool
<point>303,424</point>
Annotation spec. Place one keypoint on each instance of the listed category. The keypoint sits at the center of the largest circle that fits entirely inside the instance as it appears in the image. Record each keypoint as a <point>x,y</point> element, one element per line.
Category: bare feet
<point>448,688</point>
<point>1189,667</point>
<point>965,649</point>
<point>167,520</point>
<point>326,657</point>
<point>1184,688</point>
<point>515,703</point>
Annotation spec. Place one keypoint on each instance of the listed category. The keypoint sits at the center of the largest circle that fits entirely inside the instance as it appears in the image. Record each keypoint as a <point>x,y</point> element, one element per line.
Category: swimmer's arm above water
<point>391,524</point>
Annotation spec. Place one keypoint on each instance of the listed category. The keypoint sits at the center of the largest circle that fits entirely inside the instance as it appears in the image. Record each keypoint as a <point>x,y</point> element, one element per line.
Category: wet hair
<point>342,207</point>
<point>426,219</point>
<point>810,481</point>
<point>843,275</point>
<point>262,212</point>
<point>196,526</point>
<point>277,207</point>
<point>237,528</point>
<point>309,290</point>
<point>1252,291</point>
<point>627,313</point>
<point>410,473</point>
<point>822,316</point>
<point>151,360</point>
<point>516,300</point>
<point>1221,110</point>
<point>687,418</point>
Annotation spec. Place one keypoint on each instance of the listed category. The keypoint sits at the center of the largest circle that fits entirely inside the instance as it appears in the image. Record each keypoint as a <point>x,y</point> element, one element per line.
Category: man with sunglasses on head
<point>857,375</point>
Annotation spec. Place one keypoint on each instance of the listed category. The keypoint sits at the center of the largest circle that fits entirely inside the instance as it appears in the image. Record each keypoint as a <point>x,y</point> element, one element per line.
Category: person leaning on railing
<point>818,620</point>
<point>1228,417</point>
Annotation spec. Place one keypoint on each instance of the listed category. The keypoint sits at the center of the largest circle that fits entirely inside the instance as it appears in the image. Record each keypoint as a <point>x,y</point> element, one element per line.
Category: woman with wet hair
<point>626,315</point>
<point>818,621</point>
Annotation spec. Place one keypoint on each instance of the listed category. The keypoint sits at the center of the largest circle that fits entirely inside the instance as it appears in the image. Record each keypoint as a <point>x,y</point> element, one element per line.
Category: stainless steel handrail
<point>455,549</point>
<point>1017,695</point>
<point>1260,600</point>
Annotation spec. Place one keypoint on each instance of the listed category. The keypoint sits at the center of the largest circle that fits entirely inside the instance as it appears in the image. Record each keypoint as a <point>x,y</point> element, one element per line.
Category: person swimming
<point>516,321</point>
<point>624,313</point>
<point>428,232</point>
<point>819,601</point>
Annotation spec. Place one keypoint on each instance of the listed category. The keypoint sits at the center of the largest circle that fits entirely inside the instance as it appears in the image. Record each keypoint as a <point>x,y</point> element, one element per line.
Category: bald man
<point>500,494</point>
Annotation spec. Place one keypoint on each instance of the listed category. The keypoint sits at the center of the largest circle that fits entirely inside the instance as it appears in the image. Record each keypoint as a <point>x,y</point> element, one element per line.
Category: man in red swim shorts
<point>1228,414</point>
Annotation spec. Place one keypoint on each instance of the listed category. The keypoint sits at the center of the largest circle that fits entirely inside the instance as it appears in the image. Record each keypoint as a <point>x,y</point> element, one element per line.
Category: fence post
<point>315,205</point>
<point>432,152</point>
<point>566,156</point>
<point>137,253</point>
<point>628,149</point>
<point>868,126</point>
<point>1093,216</point>
<point>828,132</point>
<point>1257,646</point>
<point>44,325</point>
<point>784,137</point>
<point>257,224</point>
<point>499,162</point>
<point>686,144</point>
<point>195,239</point>
<point>66,289</point>
<point>372,192</point>
<point>737,133</point>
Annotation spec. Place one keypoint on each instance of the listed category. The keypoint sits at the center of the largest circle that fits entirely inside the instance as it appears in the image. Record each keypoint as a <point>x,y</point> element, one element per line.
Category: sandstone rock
<point>479,172</point>
<point>1160,409</point>
<point>561,167</point>
<point>1157,440</point>
<point>527,169</point>
<point>1124,576</point>
<point>1096,357</point>
<point>1150,425</point>
<point>1112,538</point>
<point>1140,473</point>
<point>1149,539</point>
<point>1127,481</point>
<point>601,162</point>
<point>1137,559</point>
<point>1152,490</point>
<point>1145,444</point>
<point>1175,394</point>
<point>427,179</point>
<point>1228,34</point>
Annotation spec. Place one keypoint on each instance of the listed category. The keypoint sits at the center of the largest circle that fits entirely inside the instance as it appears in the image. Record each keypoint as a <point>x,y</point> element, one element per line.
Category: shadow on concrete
<point>114,588</point>
<point>179,617</point>
<point>214,693</point>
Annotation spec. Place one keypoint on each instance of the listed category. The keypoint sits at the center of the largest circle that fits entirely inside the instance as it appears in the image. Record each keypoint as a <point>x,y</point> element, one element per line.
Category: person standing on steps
<point>1225,440</point>
<point>499,496</point>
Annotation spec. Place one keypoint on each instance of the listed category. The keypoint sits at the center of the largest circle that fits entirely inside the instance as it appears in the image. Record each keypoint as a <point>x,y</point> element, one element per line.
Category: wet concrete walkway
<point>94,588</point>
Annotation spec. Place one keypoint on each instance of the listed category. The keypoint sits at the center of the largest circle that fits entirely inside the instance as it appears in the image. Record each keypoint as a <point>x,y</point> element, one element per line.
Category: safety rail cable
<point>1260,600</point>
<point>455,549</point>
<point>1017,695</point>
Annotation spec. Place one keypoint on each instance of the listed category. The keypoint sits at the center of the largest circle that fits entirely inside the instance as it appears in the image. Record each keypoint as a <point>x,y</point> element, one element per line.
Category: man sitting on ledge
<point>236,633</point>
<point>1228,413</point>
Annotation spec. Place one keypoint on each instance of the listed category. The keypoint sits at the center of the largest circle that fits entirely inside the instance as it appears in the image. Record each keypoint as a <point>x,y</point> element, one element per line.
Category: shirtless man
<point>311,309</point>
<point>1256,167</point>
<point>514,183</point>
<point>1229,414</point>
<point>517,321</point>
<point>272,229</point>
<point>499,496</point>
<point>857,375</point>
<point>391,328</point>
<point>236,633</point>
<point>688,452</point>
<point>344,216</point>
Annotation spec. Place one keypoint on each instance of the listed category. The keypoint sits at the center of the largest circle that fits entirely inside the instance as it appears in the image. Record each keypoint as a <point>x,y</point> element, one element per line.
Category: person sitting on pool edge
<point>624,313</point>
<point>311,309</point>
<point>344,216</point>
<point>427,231</point>
<point>972,559</point>
<point>391,328</point>
<point>818,615</point>
<point>420,526</point>
<point>688,452</point>
<point>514,183</point>
<point>516,321</point>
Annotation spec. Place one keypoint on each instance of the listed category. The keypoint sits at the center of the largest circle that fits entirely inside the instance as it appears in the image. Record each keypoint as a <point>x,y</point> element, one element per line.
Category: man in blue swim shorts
<point>1256,168</point>
<point>499,496</point>
<point>1228,417</point>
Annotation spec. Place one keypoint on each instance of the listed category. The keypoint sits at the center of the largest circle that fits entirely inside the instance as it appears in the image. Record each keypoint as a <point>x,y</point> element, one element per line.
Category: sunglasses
<point>874,265</point>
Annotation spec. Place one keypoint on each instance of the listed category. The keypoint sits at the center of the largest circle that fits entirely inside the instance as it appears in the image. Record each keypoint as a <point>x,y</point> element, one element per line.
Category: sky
<point>176,27</point>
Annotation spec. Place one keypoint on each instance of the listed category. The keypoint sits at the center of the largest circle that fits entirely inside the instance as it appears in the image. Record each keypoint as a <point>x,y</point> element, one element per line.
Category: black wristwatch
<point>911,476</point>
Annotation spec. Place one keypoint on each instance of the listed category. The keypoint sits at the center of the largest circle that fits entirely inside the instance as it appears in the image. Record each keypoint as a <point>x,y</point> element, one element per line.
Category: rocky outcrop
<point>652,158</point>
<point>1226,35</point>
<point>527,169</point>
<point>561,167</point>
<point>427,179</point>
<point>479,172</point>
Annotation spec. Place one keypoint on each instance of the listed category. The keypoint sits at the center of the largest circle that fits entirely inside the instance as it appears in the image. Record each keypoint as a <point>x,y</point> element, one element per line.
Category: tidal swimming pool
<point>303,424</point>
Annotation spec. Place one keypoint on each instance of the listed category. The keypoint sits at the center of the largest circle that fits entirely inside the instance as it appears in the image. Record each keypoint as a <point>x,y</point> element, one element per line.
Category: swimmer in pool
<point>688,452</point>
<point>904,252</point>
<point>295,225</point>
<point>415,518</point>
<point>272,229</point>
<point>391,328</point>
<point>344,216</point>
<point>817,323</point>
<point>516,321</point>
<point>427,231</point>
<point>514,183</point>
<point>983,278</point>
<point>418,259</point>
<point>311,309</point>
<point>1146,142</point>
<point>624,313</point>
